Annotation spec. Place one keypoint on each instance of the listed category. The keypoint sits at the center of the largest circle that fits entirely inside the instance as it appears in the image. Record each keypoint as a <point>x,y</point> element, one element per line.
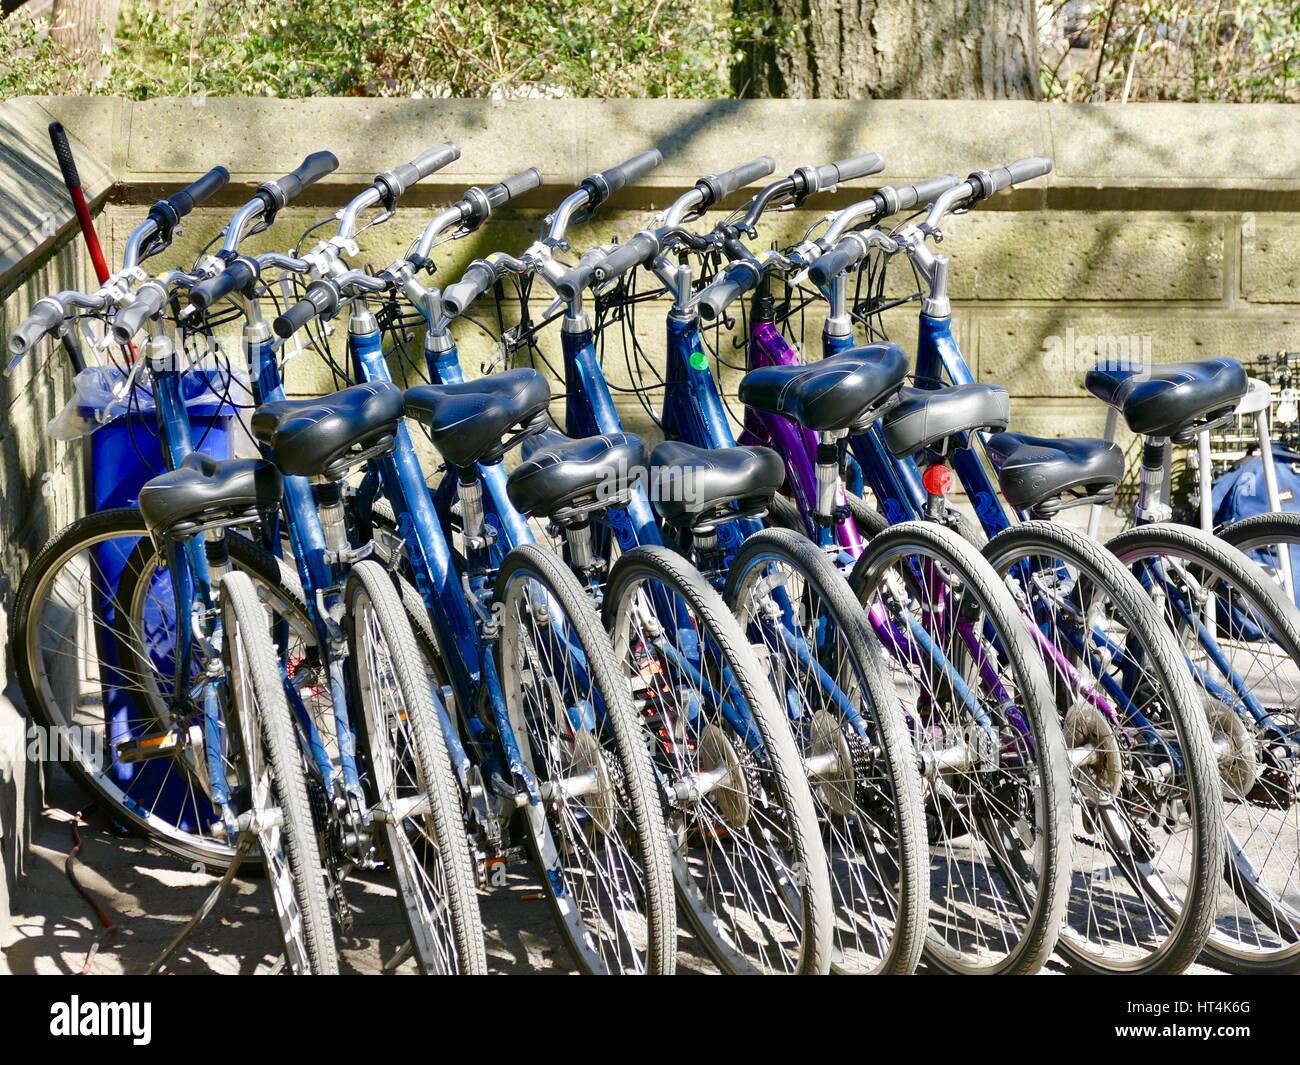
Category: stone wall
<point>1170,226</point>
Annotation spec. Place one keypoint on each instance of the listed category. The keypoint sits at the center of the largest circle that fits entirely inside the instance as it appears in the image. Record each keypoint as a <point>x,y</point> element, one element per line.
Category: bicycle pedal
<point>162,745</point>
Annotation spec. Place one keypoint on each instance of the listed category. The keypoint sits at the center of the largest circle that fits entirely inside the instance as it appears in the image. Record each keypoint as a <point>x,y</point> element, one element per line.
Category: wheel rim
<point>396,781</point>
<point>737,879</point>
<point>262,799</point>
<point>593,870</point>
<point>985,816</point>
<point>776,607</point>
<point>75,625</point>
<point>1135,852</point>
<point>1258,918</point>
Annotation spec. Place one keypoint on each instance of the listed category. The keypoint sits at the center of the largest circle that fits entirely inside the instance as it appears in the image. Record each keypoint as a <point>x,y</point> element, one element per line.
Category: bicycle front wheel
<point>825,662</point>
<point>93,637</point>
<point>1241,640</point>
<point>595,824</point>
<point>1148,819</point>
<point>748,860</point>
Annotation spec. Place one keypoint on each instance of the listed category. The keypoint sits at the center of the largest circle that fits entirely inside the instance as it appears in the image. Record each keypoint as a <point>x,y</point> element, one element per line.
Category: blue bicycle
<point>748,866</point>
<point>545,737</point>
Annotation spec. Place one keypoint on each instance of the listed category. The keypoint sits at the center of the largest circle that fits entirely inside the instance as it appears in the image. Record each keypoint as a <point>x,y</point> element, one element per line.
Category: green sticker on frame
<point>699,361</point>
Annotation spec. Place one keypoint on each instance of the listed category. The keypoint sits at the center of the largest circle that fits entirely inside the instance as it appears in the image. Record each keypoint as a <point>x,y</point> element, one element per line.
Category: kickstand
<point>245,844</point>
<point>391,965</point>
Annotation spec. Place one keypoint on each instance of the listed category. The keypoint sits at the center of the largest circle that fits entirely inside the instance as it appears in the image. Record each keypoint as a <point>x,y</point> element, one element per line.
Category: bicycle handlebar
<point>183,202</point>
<point>393,183</point>
<point>476,280</point>
<point>924,191</point>
<point>602,186</point>
<point>504,191</point>
<point>237,276</point>
<point>44,318</point>
<point>719,186</point>
<point>1021,170</point>
<point>148,302</point>
<point>278,192</point>
<point>984,183</point>
<point>848,170</point>
<point>321,299</point>
<point>844,256</point>
<point>625,257</point>
<point>737,279</point>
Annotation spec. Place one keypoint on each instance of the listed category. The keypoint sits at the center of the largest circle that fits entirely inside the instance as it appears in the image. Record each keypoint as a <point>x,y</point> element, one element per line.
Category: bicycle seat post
<point>1152,504</point>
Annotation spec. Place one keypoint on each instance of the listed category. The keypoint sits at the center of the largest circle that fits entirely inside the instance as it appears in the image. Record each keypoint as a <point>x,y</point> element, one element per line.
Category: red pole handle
<point>63,152</point>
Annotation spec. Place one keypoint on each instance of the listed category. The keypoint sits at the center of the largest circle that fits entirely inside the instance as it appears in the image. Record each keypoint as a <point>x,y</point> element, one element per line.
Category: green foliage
<point>1232,51</point>
<point>1095,50</point>
<point>33,64</point>
<point>475,48</point>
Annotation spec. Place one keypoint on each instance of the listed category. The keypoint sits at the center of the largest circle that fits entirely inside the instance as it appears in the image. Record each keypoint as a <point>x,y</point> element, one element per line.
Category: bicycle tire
<point>634,790</point>
<point>1047,764</point>
<point>1176,701</point>
<point>441,946</point>
<point>808,868</point>
<point>899,789</point>
<point>1252,587</point>
<point>306,928</point>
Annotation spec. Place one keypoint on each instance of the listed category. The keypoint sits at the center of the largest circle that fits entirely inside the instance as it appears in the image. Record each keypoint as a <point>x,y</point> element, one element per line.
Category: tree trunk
<point>84,28</point>
<point>873,49</point>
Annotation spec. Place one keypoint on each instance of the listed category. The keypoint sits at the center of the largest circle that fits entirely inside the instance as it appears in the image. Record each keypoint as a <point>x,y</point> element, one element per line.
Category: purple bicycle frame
<point>798,447</point>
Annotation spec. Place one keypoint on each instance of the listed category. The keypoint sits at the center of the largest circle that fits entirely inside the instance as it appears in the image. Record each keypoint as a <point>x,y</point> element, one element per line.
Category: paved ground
<point>149,895</point>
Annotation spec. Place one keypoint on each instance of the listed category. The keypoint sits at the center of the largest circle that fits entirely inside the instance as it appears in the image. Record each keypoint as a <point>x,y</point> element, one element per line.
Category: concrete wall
<point>1175,224</point>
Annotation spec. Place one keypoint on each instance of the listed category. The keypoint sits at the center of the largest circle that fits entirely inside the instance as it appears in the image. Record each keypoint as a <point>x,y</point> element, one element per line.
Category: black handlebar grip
<point>235,277</point>
<point>45,317</point>
<point>191,196</point>
<point>505,191</point>
<point>844,256</point>
<point>400,178</point>
<point>848,169</point>
<point>128,321</point>
<point>280,191</point>
<point>321,299</point>
<point>63,153</point>
<point>925,191</point>
<point>476,280</point>
<point>610,181</point>
<point>1021,170</point>
<point>738,279</point>
<point>625,257</point>
<point>724,184</point>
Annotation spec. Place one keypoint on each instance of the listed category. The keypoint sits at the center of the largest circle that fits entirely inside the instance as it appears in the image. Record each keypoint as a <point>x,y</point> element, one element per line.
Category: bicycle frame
<point>693,411</point>
<point>474,677</point>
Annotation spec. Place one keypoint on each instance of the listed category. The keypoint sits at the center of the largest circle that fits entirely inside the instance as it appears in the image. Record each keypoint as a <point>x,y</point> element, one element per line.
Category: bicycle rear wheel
<point>849,727</point>
<point>595,825</point>
<point>1241,640</point>
<point>272,781</point>
<point>747,858</point>
<point>981,712</point>
<point>93,633</point>
<point>1148,819</point>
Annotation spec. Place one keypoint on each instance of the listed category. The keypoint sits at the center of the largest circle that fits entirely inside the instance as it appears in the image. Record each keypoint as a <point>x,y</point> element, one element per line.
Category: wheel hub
<point>838,787</point>
<point>731,794</point>
<point>1238,756</point>
<point>1085,725</point>
<point>601,802</point>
